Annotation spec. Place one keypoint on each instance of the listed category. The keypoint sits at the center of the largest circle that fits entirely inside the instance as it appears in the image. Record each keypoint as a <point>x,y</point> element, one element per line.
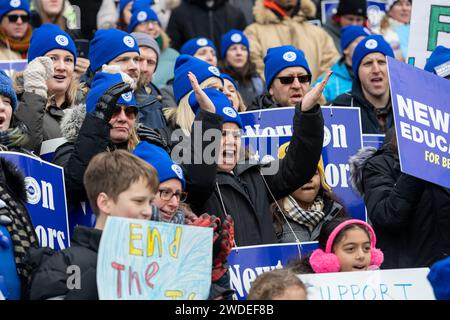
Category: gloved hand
<point>152,136</point>
<point>113,69</point>
<point>206,220</point>
<point>222,248</point>
<point>105,105</point>
<point>36,75</point>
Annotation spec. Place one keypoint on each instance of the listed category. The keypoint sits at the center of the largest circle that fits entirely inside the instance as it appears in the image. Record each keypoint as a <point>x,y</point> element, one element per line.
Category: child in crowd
<point>344,245</point>
<point>130,198</point>
<point>279,284</point>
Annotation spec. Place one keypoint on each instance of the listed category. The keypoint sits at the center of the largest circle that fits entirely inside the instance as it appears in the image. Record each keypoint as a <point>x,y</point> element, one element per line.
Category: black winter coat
<point>244,194</point>
<point>369,122</point>
<point>411,217</point>
<point>150,107</point>
<point>263,101</point>
<point>50,278</point>
<point>193,18</point>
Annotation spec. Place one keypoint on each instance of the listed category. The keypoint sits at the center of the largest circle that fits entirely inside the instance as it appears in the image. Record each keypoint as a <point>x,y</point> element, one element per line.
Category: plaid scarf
<point>21,230</point>
<point>310,217</point>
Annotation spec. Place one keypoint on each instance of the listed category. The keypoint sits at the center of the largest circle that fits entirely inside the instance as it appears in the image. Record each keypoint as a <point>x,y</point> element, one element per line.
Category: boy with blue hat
<point>15,29</point>
<point>370,89</point>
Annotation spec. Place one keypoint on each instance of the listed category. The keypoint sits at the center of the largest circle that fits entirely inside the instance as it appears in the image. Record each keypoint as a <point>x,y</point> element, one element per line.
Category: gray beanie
<point>145,40</point>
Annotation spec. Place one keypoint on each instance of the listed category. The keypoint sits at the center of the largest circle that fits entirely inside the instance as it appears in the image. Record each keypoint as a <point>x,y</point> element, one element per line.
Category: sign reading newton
<point>421,107</point>
<point>148,260</point>
<point>398,284</point>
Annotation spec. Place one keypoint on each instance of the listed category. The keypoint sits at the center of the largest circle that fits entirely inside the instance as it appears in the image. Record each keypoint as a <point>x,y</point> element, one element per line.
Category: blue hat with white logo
<point>142,15</point>
<point>370,44</point>
<point>161,161</point>
<point>439,62</point>
<point>350,33</point>
<point>109,44</point>
<point>230,38</point>
<point>223,105</point>
<point>191,46</point>
<point>7,6</point>
<point>102,82</point>
<point>6,89</point>
<point>49,37</point>
<point>280,58</point>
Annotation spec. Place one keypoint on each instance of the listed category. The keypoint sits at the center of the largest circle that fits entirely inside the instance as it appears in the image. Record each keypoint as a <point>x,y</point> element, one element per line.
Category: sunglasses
<point>14,17</point>
<point>130,112</point>
<point>305,78</point>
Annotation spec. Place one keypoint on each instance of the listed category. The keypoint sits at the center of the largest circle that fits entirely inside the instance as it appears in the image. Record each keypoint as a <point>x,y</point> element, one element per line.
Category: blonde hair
<point>242,107</point>
<point>183,115</point>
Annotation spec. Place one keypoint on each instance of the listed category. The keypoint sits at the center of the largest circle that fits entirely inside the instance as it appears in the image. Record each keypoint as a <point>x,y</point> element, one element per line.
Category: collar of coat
<point>264,15</point>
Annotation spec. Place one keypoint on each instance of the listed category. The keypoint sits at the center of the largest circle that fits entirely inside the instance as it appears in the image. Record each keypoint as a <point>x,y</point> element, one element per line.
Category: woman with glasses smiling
<point>15,30</point>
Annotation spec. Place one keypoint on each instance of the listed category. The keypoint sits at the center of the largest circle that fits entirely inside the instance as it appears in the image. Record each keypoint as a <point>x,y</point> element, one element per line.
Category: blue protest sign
<point>266,130</point>
<point>421,107</point>
<point>46,202</point>
<point>373,140</point>
<point>148,260</point>
<point>9,66</point>
<point>246,263</point>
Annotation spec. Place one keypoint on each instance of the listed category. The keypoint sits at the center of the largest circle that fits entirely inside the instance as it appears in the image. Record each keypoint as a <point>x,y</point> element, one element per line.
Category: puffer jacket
<point>410,216</point>
<point>150,107</point>
<point>271,30</point>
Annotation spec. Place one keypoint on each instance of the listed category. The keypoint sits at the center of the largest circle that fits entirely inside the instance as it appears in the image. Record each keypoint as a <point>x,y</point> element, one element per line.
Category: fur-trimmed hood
<point>72,121</point>
<point>357,163</point>
<point>13,179</point>
<point>264,15</point>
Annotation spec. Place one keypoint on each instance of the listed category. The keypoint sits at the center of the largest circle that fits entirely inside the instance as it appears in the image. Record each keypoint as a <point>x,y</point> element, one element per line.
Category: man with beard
<point>370,89</point>
<point>148,96</point>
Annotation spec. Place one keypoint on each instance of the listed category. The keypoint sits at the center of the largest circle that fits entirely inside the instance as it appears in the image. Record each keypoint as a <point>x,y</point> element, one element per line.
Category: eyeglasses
<point>304,78</point>
<point>166,195</point>
<point>14,17</point>
<point>130,112</point>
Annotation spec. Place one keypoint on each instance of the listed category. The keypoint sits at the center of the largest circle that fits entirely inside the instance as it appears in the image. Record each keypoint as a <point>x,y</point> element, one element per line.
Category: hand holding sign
<point>203,100</point>
<point>312,97</point>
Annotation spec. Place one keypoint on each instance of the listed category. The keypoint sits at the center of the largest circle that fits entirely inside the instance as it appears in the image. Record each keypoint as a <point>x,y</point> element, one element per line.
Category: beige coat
<point>268,31</point>
<point>7,54</point>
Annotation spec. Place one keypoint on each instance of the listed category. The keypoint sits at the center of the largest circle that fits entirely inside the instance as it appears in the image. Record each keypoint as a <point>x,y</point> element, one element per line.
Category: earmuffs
<point>324,262</point>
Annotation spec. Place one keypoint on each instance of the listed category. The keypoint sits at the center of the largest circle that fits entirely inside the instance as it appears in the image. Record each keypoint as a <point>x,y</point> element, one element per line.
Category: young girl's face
<point>353,250</point>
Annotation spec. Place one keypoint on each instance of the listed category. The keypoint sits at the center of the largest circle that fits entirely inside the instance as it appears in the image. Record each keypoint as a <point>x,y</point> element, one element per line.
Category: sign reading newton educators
<point>266,130</point>
<point>421,107</point>
<point>430,27</point>
<point>398,284</point>
<point>148,260</point>
<point>46,202</point>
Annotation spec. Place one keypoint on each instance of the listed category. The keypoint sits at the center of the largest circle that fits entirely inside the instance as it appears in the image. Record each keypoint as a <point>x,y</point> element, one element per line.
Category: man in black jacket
<point>203,18</point>
<point>370,89</point>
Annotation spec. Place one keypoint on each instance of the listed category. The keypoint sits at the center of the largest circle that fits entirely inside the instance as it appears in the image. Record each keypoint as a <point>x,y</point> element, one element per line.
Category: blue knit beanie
<point>223,105</point>
<point>229,78</point>
<point>370,44</point>
<point>350,33</point>
<point>7,6</point>
<point>109,44</point>
<point>439,62</point>
<point>439,277</point>
<point>102,82</point>
<point>233,37</point>
<point>202,70</point>
<point>122,5</point>
<point>191,46</point>
<point>142,15</point>
<point>280,58</point>
<point>49,37</point>
<point>161,161</point>
<point>6,89</point>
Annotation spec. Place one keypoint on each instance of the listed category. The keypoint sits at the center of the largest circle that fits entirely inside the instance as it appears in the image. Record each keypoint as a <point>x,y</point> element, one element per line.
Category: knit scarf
<point>310,217</point>
<point>21,230</point>
<point>13,138</point>
<point>20,46</point>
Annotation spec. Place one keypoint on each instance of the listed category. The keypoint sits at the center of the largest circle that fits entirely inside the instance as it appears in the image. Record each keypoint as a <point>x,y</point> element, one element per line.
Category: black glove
<point>105,106</point>
<point>152,136</point>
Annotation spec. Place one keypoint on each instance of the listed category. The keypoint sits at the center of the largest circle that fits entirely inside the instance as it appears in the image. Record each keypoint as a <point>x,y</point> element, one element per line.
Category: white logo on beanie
<point>236,37</point>
<point>371,44</point>
<point>178,171</point>
<point>62,40</point>
<point>142,16</point>
<point>129,41</point>
<point>214,71</point>
<point>290,56</point>
<point>202,42</point>
<point>127,96</point>
<point>229,111</point>
<point>15,3</point>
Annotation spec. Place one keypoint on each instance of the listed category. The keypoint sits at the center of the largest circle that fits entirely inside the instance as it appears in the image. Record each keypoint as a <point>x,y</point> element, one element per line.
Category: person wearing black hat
<point>349,12</point>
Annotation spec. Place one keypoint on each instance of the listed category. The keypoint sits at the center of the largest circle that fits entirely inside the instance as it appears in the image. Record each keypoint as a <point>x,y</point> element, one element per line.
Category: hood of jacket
<point>264,15</point>
<point>13,179</point>
<point>208,4</point>
<point>72,121</point>
<point>357,163</point>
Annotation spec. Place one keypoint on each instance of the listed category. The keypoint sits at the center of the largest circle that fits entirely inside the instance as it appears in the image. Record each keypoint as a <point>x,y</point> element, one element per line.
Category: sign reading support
<point>421,108</point>
<point>398,284</point>
<point>430,27</point>
<point>148,260</point>
<point>46,202</point>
